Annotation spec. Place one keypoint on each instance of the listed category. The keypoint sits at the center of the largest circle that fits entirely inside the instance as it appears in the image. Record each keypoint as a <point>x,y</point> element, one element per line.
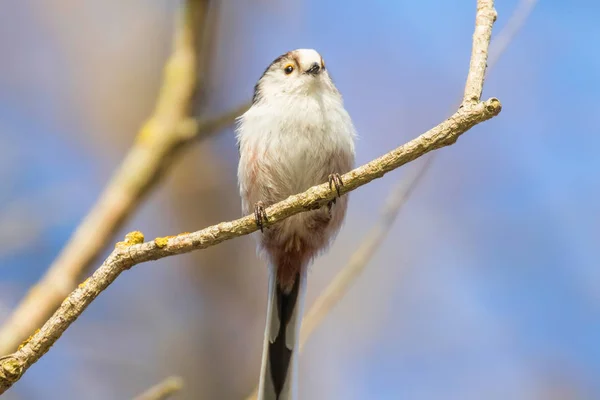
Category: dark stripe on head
<point>256,95</point>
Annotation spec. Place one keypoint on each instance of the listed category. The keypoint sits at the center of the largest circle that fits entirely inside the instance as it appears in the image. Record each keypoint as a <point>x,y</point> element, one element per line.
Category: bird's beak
<point>314,69</point>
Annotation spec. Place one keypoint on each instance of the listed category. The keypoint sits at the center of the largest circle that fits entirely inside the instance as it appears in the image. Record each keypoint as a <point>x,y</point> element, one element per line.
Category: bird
<point>296,134</point>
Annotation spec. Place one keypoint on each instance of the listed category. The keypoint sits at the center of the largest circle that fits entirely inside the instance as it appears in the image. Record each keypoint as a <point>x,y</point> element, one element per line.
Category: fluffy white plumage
<point>294,136</point>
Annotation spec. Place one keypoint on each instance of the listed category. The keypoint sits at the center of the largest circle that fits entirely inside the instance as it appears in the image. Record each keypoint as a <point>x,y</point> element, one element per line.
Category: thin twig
<point>162,390</point>
<point>159,140</point>
<point>484,20</point>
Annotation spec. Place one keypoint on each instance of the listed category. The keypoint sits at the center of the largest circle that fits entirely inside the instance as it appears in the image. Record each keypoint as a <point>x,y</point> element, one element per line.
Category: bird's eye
<point>288,69</point>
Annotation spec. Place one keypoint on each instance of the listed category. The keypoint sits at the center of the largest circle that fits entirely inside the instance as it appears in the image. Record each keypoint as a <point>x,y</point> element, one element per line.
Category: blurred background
<point>487,287</point>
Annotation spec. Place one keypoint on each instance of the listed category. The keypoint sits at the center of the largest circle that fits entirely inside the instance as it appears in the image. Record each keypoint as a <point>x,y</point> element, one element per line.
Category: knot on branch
<point>493,106</point>
<point>11,370</point>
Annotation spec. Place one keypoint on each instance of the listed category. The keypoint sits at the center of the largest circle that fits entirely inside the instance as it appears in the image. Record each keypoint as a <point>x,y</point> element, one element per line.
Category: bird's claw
<point>335,180</point>
<point>260,215</point>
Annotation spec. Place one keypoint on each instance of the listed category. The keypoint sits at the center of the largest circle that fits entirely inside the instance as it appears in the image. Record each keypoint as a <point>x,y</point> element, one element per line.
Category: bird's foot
<point>260,215</point>
<point>335,180</point>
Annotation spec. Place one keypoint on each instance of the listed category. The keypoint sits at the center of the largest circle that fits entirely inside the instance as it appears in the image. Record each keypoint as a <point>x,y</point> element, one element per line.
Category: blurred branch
<point>162,390</point>
<point>158,142</point>
<point>510,30</point>
<point>133,250</point>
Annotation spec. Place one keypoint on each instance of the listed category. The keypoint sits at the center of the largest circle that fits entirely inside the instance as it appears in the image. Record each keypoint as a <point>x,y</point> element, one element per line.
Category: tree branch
<point>342,282</point>
<point>162,390</point>
<point>160,139</point>
<point>133,250</point>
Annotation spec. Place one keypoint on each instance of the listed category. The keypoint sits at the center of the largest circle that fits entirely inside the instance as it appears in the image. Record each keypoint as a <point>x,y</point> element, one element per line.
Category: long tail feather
<point>279,369</point>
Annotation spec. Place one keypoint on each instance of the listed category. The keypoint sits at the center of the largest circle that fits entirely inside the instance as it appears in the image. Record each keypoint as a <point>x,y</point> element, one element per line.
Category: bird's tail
<point>279,369</point>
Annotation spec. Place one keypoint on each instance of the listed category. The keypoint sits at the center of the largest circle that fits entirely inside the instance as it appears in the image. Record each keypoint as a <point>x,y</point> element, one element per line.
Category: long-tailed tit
<point>297,134</point>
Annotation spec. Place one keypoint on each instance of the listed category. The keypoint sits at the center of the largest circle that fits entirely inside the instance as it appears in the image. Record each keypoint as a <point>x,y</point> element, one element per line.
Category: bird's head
<point>298,72</point>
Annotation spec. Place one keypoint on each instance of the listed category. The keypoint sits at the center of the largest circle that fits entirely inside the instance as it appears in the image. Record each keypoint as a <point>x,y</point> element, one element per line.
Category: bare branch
<point>133,251</point>
<point>159,140</point>
<point>162,390</point>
